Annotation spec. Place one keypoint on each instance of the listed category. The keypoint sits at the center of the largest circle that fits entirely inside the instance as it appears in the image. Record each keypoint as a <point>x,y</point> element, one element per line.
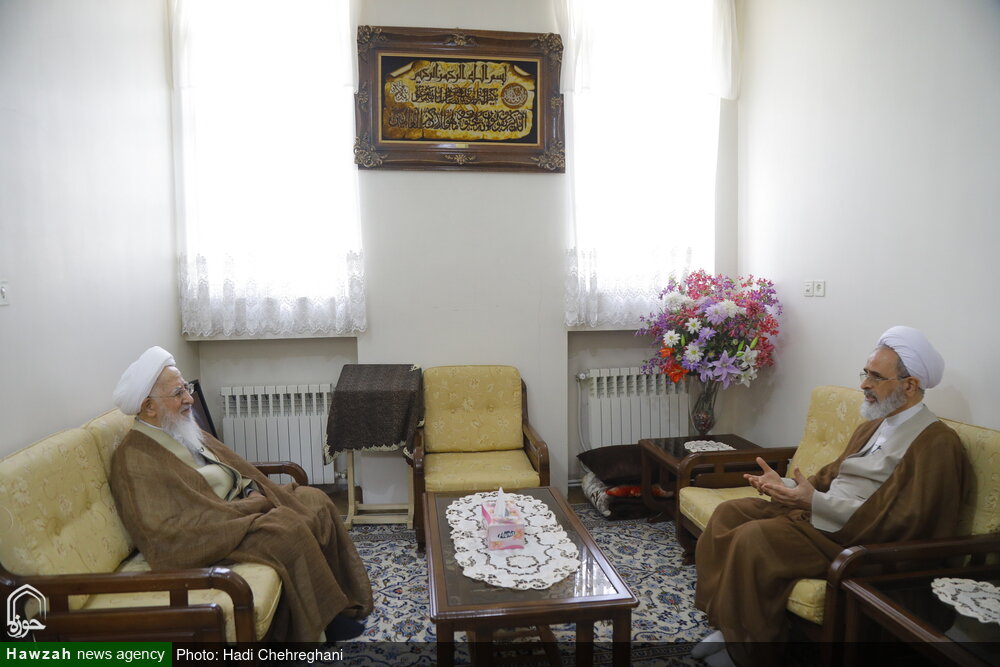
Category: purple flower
<point>706,334</point>
<point>724,368</point>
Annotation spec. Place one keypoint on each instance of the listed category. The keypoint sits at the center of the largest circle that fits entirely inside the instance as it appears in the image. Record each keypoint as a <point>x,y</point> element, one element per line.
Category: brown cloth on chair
<point>177,521</point>
<point>375,405</point>
<point>753,551</point>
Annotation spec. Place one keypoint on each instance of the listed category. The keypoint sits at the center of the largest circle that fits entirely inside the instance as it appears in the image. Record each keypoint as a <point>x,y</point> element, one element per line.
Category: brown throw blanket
<point>177,522</point>
<point>753,551</point>
<point>375,405</point>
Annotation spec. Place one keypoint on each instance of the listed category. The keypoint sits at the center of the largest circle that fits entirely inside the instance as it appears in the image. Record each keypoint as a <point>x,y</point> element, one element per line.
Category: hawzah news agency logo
<point>18,627</point>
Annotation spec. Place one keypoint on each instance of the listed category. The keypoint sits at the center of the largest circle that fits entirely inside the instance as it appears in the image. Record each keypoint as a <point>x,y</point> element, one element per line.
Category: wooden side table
<point>904,605</point>
<point>667,453</point>
<point>375,407</point>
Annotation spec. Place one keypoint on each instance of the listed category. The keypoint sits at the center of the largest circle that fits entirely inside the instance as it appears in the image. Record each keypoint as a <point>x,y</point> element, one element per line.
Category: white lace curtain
<point>643,82</point>
<point>269,237</point>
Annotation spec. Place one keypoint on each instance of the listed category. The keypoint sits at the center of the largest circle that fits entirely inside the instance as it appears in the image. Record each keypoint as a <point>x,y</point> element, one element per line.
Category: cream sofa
<point>63,536</point>
<point>706,480</point>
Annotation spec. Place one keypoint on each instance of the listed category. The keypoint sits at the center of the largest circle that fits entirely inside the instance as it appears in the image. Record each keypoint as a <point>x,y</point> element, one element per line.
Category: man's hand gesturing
<point>769,476</point>
<point>769,483</point>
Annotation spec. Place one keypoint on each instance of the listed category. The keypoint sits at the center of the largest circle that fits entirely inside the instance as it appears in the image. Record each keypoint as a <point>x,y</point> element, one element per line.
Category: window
<point>269,238</point>
<point>643,112</point>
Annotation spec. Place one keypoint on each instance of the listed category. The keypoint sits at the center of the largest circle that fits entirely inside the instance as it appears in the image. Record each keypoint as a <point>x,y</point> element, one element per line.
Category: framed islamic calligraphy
<point>469,100</point>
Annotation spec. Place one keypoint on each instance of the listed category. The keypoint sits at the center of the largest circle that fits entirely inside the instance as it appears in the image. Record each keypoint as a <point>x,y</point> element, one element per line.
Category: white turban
<point>138,379</point>
<point>917,354</point>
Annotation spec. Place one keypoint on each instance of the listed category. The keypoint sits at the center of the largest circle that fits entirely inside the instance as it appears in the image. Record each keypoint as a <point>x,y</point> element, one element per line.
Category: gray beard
<point>184,429</point>
<point>882,409</point>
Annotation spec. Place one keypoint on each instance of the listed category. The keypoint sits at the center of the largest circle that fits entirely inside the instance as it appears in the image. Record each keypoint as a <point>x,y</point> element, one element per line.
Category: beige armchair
<point>476,435</point>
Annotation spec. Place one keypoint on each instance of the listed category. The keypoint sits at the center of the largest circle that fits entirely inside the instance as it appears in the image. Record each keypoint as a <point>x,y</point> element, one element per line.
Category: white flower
<point>748,358</point>
<point>731,308</point>
<point>693,353</point>
<point>693,325</point>
<point>671,338</point>
<point>674,301</point>
<point>747,376</point>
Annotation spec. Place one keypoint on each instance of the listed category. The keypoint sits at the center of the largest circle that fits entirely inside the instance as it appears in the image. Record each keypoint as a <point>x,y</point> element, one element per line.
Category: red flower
<point>674,370</point>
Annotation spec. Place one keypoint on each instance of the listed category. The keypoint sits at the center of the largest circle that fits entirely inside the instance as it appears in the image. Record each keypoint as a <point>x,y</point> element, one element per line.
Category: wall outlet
<point>819,288</point>
<point>4,293</point>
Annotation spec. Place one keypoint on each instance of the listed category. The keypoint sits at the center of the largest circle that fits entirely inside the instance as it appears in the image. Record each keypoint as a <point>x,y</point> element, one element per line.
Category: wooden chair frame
<point>181,621</point>
<point>534,447</point>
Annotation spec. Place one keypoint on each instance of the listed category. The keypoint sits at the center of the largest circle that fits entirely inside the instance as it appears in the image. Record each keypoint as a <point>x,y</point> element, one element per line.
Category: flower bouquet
<point>715,328</point>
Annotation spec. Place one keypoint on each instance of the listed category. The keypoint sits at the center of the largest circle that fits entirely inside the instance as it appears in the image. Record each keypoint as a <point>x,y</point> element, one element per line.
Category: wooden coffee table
<point>667,453</point>
<point>595,592</point>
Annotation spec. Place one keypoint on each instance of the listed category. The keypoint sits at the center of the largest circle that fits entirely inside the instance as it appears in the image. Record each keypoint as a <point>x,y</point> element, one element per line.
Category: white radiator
<point>279,423</point>
<point>622,405</point>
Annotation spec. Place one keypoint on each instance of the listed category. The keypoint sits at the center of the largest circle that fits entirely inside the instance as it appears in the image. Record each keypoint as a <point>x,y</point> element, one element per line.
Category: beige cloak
<point>177,521</point>
<point>753,550</point>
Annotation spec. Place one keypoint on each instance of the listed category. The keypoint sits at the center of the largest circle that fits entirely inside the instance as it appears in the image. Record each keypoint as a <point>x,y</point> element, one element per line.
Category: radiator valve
<point>581,376</point>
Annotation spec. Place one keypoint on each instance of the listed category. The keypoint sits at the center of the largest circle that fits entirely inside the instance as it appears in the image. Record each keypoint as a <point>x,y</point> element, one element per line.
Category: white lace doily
<point>977,599</point>
<point>548,555</point>
<point>706,446</point>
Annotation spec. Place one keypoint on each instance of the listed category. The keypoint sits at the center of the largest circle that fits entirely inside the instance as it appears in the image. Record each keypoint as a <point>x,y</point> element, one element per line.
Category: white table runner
<point>548,555</point>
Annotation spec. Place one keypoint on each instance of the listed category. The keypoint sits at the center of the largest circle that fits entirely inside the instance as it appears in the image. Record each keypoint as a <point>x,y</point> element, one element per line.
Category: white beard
<point>184,429</point>
<point>885,407</point>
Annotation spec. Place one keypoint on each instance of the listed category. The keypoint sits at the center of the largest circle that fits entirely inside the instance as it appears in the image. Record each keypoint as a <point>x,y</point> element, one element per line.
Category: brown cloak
<point>177,522</point>
<point>753,551</point>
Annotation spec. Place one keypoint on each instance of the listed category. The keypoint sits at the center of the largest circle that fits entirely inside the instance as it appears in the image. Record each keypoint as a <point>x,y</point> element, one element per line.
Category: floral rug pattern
<point>664,625</point>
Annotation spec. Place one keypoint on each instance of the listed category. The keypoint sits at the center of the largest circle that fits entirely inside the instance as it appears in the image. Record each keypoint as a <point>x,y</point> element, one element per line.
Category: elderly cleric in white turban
<point>138,379</point>
<point>922,361</point>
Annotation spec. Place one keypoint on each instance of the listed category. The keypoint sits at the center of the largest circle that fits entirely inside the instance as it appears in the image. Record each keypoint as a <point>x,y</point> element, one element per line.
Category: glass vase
<point>703,412</point>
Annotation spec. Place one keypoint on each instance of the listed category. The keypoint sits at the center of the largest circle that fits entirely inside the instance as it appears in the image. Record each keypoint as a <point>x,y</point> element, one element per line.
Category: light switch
<point>807,288</point>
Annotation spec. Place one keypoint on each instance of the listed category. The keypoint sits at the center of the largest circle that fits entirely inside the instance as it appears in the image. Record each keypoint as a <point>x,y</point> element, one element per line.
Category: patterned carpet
<point>399,631</point>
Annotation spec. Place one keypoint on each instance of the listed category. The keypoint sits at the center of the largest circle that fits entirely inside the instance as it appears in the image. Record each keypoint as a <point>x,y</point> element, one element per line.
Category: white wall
<point>869,155</point>
<point>86,239</point>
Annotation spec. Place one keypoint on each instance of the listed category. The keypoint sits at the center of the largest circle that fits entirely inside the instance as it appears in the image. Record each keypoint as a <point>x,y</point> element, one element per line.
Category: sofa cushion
<point>57,514</point>
<point>807,599</point>
<point>834,413</point>
<point>108,430</point>
<point>472,408</point>
<point>614,464</point>
<point>263,580</point>
<point>479,471</point>
<point>697,503</point>
<point>981,510</point>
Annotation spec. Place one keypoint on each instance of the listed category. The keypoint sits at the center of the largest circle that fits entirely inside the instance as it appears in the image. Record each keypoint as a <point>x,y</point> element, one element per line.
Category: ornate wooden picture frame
<point>478,100</point>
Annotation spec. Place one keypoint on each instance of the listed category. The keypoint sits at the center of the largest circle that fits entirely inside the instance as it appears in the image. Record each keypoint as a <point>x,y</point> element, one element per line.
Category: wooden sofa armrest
<point>885,557</point>
<point>419,486</point>
<point>537,451</point>
<point>887,554</point>
<point>291,468</point>
<point>58,588</point>
<point>720,462</point>
<point>419,451</point>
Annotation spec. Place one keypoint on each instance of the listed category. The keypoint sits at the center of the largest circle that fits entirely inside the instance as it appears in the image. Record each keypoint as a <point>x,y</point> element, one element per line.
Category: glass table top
<point>595,578</point>
<point>915,597</point>
<point>675,446</point>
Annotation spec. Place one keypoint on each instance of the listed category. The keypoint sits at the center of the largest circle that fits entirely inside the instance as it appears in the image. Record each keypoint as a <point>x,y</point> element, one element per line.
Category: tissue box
<point>506,532</point>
